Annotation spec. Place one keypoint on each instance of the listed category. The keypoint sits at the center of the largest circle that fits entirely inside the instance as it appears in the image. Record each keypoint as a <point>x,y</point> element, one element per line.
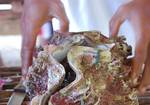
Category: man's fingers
<point>64,26</point>
<point>143,89</point>
<point>117,19</point>
<point>114,26</point>
<point>145,83</point>
<point>60,14</point>
<point>139,60</point>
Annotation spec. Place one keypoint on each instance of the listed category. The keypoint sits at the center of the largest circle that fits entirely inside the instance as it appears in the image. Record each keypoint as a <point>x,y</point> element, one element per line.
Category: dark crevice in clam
<point>70,74</point>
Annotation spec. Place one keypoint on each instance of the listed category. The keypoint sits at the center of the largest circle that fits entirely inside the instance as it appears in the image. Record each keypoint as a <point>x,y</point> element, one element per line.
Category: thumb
<point>64,25</point>
<point>62,18</point>
<point>141,90</point>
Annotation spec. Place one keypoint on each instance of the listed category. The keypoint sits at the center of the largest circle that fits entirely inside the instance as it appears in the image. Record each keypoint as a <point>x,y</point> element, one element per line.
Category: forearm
<point>26,59</point>
<point>28,43</point>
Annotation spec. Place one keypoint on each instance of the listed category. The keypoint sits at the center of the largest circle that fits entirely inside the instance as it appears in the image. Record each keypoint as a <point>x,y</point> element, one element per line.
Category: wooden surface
<point>14,73</point>
<point>7,1</point>
<point>9,23</point>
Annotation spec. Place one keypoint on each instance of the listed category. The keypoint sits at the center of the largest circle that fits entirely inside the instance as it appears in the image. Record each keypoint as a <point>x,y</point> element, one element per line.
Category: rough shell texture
<point>100,78</point>
<point>100,69</point>
<point>44,75</point>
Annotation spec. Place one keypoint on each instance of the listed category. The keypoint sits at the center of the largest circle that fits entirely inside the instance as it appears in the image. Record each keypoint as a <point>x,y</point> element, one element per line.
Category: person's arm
<point>117,19</point>
<point>27,49</point>
<point>35,14</point>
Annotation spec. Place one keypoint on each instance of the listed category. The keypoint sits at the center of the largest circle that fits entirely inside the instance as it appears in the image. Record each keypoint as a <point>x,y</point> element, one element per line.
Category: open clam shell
<point>94,83</point>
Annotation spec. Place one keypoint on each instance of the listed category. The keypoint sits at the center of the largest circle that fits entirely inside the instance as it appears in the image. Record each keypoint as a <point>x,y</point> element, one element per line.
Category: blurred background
<point>83,15</point>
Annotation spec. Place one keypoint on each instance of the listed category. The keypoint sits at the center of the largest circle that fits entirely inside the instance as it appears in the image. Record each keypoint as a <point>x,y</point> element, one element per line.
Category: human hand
<point>136,12</point>
<point>35,14</point>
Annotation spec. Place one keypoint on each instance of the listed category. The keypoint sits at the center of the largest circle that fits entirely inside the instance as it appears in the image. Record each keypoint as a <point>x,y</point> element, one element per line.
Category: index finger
<point>60,14</point>
<point>117,19</point>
